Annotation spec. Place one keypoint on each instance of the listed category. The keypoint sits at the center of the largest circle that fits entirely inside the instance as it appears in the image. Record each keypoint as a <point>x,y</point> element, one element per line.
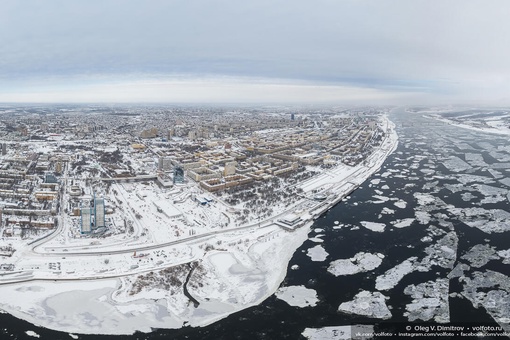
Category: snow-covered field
<point>485,121</point>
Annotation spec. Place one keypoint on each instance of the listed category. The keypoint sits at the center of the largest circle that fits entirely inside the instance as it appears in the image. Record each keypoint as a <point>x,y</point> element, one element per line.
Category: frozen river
<point>427,238</point>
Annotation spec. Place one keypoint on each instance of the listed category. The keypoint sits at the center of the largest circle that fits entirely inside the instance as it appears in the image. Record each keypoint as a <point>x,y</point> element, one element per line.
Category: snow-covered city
<point>179,225</point>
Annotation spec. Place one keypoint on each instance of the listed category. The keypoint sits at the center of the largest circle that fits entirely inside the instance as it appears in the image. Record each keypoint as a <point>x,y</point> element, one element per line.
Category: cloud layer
<point>381,50</point>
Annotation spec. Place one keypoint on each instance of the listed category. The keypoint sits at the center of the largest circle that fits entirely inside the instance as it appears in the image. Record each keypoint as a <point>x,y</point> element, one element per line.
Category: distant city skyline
<point>346,52</point>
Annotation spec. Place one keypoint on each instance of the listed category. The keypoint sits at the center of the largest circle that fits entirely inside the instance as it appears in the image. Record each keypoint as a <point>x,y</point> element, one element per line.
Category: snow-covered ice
<point>480,254</point>
<point>505,255</point>
<point>336,332</point>
<point>32,333</point>
<point>400,204</point>
<point>406,222</point>
<point>371,304</point>
<point>455,164</point>
<point>387,211</point>
<point>297,296</point>
<point>491,290</point>
<point>374,226</point>
<point>392,276</point>
<point>430,301</point>
<point>317,253</point>
<point>422,217</point>
<point>361,262</point>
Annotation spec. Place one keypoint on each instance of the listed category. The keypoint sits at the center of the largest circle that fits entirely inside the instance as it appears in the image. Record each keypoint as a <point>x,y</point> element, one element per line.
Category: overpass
<point>126,179</point>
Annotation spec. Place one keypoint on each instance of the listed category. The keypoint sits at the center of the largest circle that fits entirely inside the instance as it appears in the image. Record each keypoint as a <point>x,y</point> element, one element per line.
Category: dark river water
<point>432,161</point>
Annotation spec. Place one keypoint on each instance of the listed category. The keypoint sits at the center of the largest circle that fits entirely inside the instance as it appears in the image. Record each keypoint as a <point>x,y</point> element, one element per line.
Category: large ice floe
<point>400,204</point>
<point>422,217</point>
<point>430,301</point>
<point>505,255</point>
<point>442,253</point>
<point>317,253</point>
<point>405,222</point>
<point>297,296</point>
<point>361,262</point>
<point>479,255</point>
<point>487,220</point>
<point>337,332</point>
<point>455,164</point>
<point>491,290</point>
<point>392,276</point>
<point>374,226</point>
<point>370,304</point>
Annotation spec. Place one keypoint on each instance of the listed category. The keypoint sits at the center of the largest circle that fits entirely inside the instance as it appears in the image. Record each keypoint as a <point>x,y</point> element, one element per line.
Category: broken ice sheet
<point>371,304</point>
<point>479,255</point>
<point>430,301</point>
<point>361,262</point>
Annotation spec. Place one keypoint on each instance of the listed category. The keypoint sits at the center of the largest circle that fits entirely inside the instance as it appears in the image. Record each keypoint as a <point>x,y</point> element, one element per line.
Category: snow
<point>361,262</point>
<point>49,302</point>
<point>32,333</point>
<point>495,125</point>
<point>222,261</point>
<point>455,164</point>
<point>406,222</point>
<point>430,301</point>
<point>387,211</point>
<point>459,270</point>
<point>393,276</point>
<point>370,304</point>
<point>487,220</point>
<point>422,217</point>
<point>400,204</point>
<point>381,199</point>
<point>424,199</point>
<point>297,296</point>
<point>374,226</point>
<point>505,255</point>
<point>480,254</point>
<point>505,181</point>
<point>336,332</point>
<point>491,290</point>
<point>317,253</point>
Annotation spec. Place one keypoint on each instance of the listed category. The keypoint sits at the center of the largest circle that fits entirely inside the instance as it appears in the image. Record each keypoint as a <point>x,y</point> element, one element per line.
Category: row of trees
<point>170,279</point>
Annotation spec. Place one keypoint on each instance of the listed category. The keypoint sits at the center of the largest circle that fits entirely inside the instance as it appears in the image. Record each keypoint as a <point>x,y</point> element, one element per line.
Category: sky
<point>277,51</point>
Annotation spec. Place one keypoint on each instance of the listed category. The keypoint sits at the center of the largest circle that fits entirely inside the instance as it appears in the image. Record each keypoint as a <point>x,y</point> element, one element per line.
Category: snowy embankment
<point>234,278</point>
